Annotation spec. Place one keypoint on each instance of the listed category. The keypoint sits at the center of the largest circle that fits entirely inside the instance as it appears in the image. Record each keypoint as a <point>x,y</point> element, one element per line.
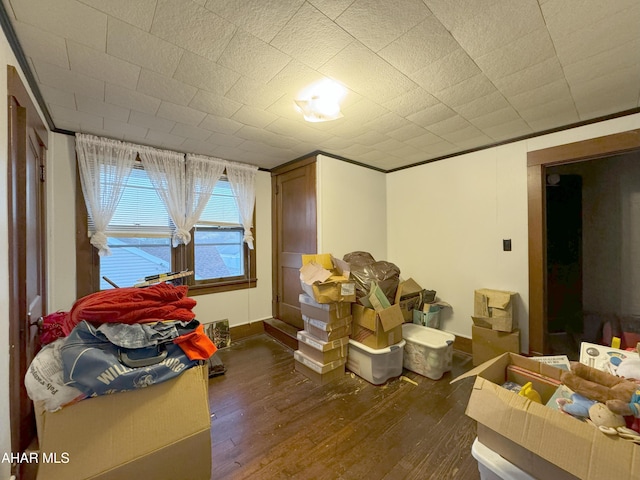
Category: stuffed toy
<point>598,385</point>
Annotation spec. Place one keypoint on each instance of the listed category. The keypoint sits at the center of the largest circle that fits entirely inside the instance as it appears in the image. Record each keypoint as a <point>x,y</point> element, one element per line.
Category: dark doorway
<point>564,260</point>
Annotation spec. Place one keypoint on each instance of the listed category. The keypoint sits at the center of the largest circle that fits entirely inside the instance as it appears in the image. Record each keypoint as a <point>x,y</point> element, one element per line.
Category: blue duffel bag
<point>142,355</point>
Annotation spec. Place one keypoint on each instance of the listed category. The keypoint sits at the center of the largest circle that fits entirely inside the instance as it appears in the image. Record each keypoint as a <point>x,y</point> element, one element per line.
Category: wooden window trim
<point>88,260</point>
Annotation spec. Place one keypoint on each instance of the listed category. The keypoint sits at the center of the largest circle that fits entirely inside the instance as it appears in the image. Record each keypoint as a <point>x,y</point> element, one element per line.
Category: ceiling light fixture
<point>320,101</point>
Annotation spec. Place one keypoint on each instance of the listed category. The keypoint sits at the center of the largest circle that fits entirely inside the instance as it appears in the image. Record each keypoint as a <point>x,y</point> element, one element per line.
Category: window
<point>139,236</point>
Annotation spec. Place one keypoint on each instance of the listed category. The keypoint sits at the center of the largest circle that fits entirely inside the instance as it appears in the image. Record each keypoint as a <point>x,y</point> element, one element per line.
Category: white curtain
<point>184,186</point>
<point>202,175</point>
<point>243,182</point>
<point>104,166</point>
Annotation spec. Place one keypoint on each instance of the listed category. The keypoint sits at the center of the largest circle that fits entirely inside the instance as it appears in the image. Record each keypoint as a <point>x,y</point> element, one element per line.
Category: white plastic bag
<point>44,380</point>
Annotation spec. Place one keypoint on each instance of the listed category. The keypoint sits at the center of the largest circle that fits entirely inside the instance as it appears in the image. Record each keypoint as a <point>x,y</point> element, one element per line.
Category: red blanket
<point>135,305</point>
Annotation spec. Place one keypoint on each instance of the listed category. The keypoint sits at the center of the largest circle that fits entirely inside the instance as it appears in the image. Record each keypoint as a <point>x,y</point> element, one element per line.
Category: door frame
<point>21,113</point>
<point>537,163</point>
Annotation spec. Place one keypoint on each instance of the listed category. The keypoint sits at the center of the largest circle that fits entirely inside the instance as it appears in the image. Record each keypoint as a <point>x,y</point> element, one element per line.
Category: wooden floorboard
<point>271,422</point>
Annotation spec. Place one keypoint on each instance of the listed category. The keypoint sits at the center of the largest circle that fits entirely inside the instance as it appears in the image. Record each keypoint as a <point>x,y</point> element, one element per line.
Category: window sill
<point>205,289</point>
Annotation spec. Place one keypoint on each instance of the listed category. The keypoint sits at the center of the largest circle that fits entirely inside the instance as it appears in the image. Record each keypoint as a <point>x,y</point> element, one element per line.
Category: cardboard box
<point>160,432</point>
<point>326,284</point>
<point>325,312</point>
<point>537,438</point>
<point>327,332</point>
<point>487,344</point>
<point>494,309</point>
<point>410,298</point>
<point>321,351</point>
<point>319,373</point>
<point>377,329</point>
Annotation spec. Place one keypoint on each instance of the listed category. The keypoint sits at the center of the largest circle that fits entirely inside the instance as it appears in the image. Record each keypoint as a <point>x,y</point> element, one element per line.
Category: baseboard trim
<point>239,332</point>
<point>463,344</point>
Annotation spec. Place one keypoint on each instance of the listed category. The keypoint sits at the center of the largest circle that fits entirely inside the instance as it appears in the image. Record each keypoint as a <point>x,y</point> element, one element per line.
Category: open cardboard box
<point>160,432</point>
<point>494,309</point>
<point>540,439</point>
<point>326,279</point>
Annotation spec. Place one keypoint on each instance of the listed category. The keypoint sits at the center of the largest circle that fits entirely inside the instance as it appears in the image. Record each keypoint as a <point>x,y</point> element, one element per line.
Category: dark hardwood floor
<point>271,422</point>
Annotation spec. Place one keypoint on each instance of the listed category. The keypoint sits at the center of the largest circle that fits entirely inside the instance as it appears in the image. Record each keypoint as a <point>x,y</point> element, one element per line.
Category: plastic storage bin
<point>493,467</point>
<point>375,365</point>
<point>428,350</point>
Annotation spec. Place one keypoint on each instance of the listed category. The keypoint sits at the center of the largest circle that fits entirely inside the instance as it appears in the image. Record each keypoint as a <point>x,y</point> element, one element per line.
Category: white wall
<point>239,307</point>
<point>447,220</point>
<point>352,208</point>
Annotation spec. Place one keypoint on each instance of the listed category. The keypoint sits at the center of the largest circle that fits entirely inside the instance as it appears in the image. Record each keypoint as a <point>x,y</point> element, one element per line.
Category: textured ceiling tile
<point>260,135</point>
<point>355,150</point>
<point>607,94</point>
<point>566,16</point>
<point>64,18</point>
<point>220,124</point>
<point>198,147</point>
<point>530,78</point>
<point>411,102</point>
<point>446,72</point>
<point>294,77</point>
<point>619,59</point>
<point>378,79</point>
<point>181,114</point>
<point>67,81</point>
<point>263,18</point>
<point>101,109</point>
<point>192,27</point>
<point>165,88</point>
<point>367,138</point>
<point>424,141</point>
<point>547,93</point>
<point>377,23</point>
<point>482,106</point>
<point>513,129</point>
<point>468,137</point>
<point>499,117</point>
<point>214,104</point>
<point>311,37</point>
<point>224,140</point>
<point>284,107</point>
<point>389,145</point>
<point>387,122</point>
<point>607,34</point>
<point>190,132</point>
<point>489,26</point>
<point>138,13</point>
<point>363,110</point>
<point>122,129</point>
<point>136,46</point>
<point>166,140</point>
<point>407,132</point>
<point>449,126</point>
<point>336,143</point>
<point>466,91</point>
<point>131,99</point>
<point>58,97</point>
<point>431,115</point>
<point>423,44</point>
<point>291,128</point>
<point>42,45</point>
<point>105,67</point>
<point>531,49</point>
<point>551,114</point>
<point>253,93</point>
<point>254,117</point>
<point>83,119</point>
<point>253,58</point>
<point>152,122</point>
<point>331,8</point>
<point>205,74</point>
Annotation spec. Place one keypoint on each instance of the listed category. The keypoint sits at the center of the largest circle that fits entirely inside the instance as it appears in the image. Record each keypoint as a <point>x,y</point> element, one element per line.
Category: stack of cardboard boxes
<point>494,329</point>
<point>326,312</point>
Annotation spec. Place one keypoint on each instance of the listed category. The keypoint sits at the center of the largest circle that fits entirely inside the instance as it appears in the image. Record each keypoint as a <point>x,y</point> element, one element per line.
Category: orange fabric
<point>196,345</point>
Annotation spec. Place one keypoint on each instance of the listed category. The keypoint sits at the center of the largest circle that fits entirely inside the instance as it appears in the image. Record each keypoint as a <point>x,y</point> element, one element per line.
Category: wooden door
<point>27,253</point>
<point>294,233</point>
